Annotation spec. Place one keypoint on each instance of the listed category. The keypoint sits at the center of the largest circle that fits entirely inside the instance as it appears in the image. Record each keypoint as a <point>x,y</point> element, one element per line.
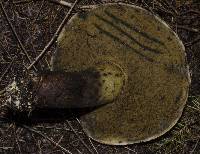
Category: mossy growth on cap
<point>152,58</point>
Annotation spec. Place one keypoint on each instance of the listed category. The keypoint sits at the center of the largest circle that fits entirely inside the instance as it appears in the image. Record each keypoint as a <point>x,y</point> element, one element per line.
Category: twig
<point>46,137</point>
<point>15,34</point>
<point>57,128</point>
<point>192,42</point>
<point>170,6</point>
<point>95,149</point>
<point>17,139</point>
<point>190,11</point>
<point>40,9</point>
<point>193,108</point>
<point>7,69</point>
<point>149,7</point>
<point>129,149</point>
<point>67,17</point>
<point>59,141</point>
<point>97,2</point>
<point>185,4</point>
<point>188,28</point>
<point>80,139</point>
<point>67,4</point>
<point>78,151</point>
<point>160,7</point>
<point>2,92</point>
<point>194,147</point>
<point>31,42</point>
<point>37,143</point>
<point>6,148</point>
<point>23,1</point>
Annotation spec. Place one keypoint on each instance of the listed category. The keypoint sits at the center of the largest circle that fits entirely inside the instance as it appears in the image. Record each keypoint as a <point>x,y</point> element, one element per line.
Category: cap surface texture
<point>149,53</point>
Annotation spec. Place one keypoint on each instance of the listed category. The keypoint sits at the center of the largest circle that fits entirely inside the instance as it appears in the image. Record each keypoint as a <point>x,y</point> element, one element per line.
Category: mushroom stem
<point>92,87</point>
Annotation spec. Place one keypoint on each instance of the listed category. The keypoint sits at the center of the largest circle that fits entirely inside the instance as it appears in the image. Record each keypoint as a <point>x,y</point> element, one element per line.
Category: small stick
<point>6,148</point>
<point>7,69</point>
<point>23,1</point>
<point>46,137</point>
<point>159,6</point>
<point>150,8</point>
<point>37,143</point>
<point>192,107</point>
<point>54,36</point>
<point>95,149</point>
<point>80,139</point>
<point>31,42</point>
<point>59,141</point>
<point>129,149</point>
<point>78,151</point>
<point>195,146</point>
<point>57,128</point>
<point>17,140</point>
<point>192,42</point>
<point>40,9</point>
<point>67,4</point>
<point>64,3</point>
<point>15,34</point>
<point>188,28</point>
<point>170,6</point>
<point>190,11</point>
<point>2,92</point>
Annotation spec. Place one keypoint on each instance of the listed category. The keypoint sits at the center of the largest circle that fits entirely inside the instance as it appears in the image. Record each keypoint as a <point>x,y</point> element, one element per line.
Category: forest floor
<point>30,25</point>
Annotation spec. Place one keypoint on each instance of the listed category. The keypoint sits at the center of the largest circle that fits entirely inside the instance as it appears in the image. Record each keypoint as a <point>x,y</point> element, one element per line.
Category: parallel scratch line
<point>123,43</point>
<point>128,35</point>
<point>118,20</point>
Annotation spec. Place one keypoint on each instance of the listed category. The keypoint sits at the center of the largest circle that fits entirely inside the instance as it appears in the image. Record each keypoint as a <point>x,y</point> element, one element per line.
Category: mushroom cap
<point>150,54</point>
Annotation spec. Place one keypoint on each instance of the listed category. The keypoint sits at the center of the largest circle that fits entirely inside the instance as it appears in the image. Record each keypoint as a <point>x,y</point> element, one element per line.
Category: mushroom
<point>123,60</point>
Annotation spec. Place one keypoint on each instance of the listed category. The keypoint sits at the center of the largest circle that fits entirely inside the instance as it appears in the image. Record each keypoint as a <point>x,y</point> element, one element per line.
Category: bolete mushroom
<point>126,61</point>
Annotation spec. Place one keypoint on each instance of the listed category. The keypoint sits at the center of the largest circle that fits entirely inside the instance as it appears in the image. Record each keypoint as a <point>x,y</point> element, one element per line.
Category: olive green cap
<point>150,54</point>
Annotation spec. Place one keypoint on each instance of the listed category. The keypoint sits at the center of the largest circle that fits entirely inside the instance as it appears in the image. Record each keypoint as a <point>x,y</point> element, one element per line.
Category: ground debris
<point>35,23</point>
